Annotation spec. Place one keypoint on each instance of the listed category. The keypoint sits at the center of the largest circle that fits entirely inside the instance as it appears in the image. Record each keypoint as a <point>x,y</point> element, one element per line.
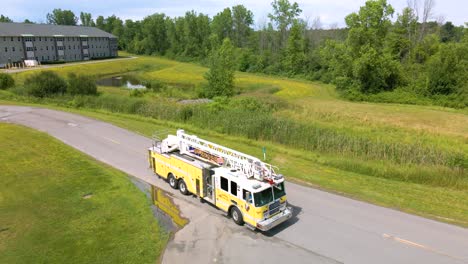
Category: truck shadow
<point>296,210</point>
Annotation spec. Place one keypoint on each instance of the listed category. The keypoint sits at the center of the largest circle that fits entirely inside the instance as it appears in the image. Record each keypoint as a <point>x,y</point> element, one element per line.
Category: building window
<point>19,38</point>
<point>11,38</point>
<point>53,48</point>
<point>224,184</point>
<point>233,188</point>
<point>13,48</point>
<point>48,58</point>
<point>34,39</point>
<point>6,49</point>
<point>40,39</point>
<point>35,48</point>
<point>42,57</point>
<point>47,47</point>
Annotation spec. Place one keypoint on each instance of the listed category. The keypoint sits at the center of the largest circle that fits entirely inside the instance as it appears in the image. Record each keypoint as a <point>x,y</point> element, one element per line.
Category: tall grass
<point>263,125</point>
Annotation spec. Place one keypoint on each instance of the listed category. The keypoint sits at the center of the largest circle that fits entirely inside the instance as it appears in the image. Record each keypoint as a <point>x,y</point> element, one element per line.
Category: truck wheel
<point>237,216</point>
<point>183,187</point>
<point>172,181</point>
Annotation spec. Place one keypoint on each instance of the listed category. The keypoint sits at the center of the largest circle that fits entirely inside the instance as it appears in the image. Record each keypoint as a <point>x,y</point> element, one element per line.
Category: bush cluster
<point>6,81</point>
<point>49,83</point>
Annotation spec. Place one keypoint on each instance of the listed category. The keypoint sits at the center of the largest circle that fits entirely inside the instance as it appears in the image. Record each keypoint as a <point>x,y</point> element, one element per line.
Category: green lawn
<point>57,205</point>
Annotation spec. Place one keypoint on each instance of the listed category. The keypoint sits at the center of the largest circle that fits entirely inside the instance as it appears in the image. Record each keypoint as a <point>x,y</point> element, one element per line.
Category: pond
<point>124,81</point>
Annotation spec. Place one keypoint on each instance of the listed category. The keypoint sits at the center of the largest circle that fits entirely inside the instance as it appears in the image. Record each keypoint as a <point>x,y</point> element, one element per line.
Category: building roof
<point>46,30</point>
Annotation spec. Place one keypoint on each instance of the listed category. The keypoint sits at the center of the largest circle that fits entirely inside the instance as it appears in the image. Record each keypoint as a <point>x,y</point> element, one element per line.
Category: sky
<point>331,12</point>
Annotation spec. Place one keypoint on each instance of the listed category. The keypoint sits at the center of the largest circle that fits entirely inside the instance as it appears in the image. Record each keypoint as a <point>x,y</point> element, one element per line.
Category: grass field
<point>403,156</point>
<point>59,206</point>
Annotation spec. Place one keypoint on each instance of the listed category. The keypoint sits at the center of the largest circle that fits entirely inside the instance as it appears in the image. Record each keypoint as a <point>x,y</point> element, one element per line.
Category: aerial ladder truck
<point>246,188</point>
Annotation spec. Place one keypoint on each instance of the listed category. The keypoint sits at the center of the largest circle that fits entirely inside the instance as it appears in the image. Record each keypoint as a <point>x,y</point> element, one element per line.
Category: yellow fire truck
<point>247,189</point>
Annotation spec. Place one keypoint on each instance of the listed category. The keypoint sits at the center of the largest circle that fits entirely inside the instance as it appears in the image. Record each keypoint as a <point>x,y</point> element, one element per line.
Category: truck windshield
<point>279,190</point>
<point>268,195</point>
<point>263,197</point>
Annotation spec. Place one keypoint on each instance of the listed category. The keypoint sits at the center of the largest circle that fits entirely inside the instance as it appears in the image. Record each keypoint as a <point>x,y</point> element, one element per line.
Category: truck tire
<point>172,181</point>
<point>183,187</point>
<point>236,216</point>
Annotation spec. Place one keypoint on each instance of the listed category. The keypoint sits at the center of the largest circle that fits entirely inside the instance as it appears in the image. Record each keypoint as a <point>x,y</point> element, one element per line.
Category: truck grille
<point>274,208</point>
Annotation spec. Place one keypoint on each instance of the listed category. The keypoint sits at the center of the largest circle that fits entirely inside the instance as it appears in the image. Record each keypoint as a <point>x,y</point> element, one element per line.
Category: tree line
<point>395,55</point>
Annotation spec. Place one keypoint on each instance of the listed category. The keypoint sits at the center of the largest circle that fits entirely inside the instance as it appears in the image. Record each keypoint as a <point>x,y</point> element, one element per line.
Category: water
<point>125,81</point>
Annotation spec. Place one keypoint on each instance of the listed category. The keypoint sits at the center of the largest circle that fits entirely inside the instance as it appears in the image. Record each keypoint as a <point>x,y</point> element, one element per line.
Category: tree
<point>447,69</point>
<point>87,19</point>
<point>62,17</point>
<point>220,76</point>
<point>27,21</point>
<point>155,32</point>
<point>100,23</point>
<point>242,20</point>
<point>5,19</point>
<point>283,16</point>
<point>295,49</point>
<point>375,71</point>
<point>370,25</point>
<point>222,24</point>
<point>401,39</point>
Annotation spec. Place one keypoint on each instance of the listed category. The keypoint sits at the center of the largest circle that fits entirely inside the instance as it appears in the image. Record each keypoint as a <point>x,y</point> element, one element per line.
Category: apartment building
<point>49,43</point>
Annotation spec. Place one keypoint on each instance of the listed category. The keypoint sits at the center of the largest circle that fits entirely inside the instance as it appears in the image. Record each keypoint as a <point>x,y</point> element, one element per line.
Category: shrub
<point>81,84</point>
<point>156,85</point>
<point>45,83</point>
<point>6,81</point>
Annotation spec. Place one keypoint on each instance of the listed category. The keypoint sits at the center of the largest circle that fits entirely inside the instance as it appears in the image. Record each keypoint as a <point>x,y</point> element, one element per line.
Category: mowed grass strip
<point>58,205</point>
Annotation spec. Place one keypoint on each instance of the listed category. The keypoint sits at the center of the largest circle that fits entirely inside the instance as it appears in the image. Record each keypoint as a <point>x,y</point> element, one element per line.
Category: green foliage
<point>369,26</point>
<point>6,81</point>
<point>295,50</point>
<point>5,19</point>
<point>220,76</point>
<point>45,83</point>
<point>62,17</point>
<point>375,72</point>
<point>156,85</point>
<point>81,84</point>
<point>447,70</point>
<point>87,19</point>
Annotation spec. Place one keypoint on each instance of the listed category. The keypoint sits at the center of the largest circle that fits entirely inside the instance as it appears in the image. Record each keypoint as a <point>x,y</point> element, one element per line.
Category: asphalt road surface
<point>326,228</point>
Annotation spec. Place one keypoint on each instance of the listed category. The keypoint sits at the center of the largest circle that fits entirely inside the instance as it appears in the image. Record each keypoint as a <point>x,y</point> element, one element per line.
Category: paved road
<point>326,228</point>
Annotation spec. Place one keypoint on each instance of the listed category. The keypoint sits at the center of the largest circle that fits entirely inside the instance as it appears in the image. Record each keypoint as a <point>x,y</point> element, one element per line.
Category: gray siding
<point>48,48</point>
<point>11,50</point>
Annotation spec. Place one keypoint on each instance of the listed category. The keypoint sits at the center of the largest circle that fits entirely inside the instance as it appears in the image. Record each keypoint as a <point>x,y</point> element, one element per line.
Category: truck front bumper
<point>277,219</point>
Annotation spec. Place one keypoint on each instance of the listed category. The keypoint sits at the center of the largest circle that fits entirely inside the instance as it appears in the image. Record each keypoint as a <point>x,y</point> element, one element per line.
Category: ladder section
<point>249,165</point>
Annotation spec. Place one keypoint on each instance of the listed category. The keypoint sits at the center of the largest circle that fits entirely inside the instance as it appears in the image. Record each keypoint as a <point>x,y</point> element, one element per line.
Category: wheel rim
<point>182,186</point>
<point>235,216</point>
<point>172,181</point>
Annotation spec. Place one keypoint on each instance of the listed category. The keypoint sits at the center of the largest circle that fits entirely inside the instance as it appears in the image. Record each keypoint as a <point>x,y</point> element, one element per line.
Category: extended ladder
<point>249,165</point>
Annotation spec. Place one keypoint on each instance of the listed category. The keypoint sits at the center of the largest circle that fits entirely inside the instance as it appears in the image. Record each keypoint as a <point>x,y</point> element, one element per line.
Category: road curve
<point>326,228</point>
